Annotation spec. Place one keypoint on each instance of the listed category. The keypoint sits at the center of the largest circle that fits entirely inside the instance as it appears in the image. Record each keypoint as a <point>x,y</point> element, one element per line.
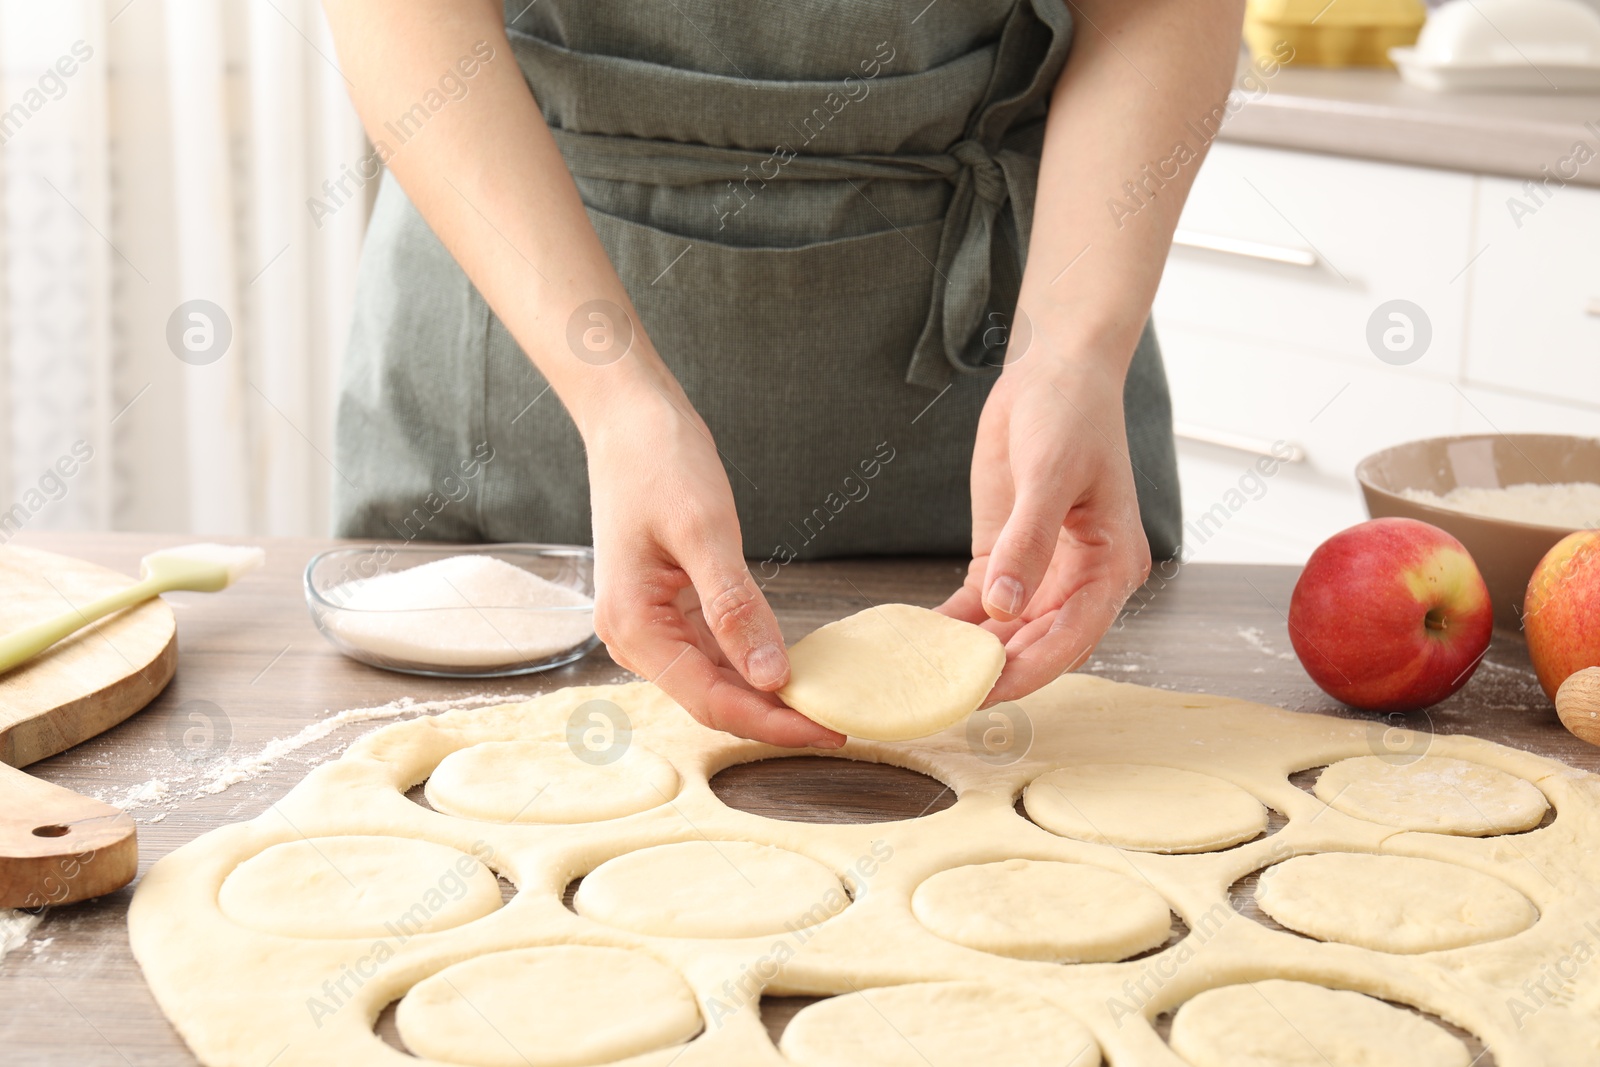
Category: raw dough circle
<point>1043,910</point>
<point>559,1006</point>
<point>937,1024</point>
<point>546,782</point>
<point>1279,1023</point>
<point>1144,807</point>
<point>1391,903</point>
<point>357,887</point>
<point>892,672</point>
<point>710,889</point>
<point>1435,794</point>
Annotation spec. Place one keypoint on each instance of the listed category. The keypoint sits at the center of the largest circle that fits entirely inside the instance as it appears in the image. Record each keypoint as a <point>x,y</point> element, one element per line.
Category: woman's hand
<point>1057,546</point>
<point>675,601</point>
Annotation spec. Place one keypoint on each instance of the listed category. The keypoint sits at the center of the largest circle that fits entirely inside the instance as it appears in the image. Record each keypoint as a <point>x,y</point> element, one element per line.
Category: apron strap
<point>952,336</point>
<point>637,159</point>
<point>1000,166</point>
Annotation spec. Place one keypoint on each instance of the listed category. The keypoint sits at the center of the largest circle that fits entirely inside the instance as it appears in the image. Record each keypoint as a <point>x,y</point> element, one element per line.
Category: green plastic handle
<point>19,647</point>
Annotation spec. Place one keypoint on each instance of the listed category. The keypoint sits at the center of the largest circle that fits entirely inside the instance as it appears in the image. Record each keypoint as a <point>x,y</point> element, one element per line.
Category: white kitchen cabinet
<point>1534,319</point>
<point>1265,332</point>
<point>1234,398</point>
<point>1277,525</point>
<point>1301,249</point>
<point>1486,409</point>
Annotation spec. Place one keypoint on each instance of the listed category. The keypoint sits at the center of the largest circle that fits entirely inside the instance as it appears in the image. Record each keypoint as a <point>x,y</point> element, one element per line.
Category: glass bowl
<point>472,639</point>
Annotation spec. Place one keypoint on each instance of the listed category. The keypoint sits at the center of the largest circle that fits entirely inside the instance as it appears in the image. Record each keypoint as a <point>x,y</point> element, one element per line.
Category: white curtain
<point>155,153</point>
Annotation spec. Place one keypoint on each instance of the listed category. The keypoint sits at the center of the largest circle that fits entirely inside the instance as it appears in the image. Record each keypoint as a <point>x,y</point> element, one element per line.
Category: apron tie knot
<point>953,338</point>
<point>988,180</point>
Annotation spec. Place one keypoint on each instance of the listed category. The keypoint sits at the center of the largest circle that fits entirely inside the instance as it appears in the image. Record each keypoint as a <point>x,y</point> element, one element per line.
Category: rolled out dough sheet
<point>895,920</point>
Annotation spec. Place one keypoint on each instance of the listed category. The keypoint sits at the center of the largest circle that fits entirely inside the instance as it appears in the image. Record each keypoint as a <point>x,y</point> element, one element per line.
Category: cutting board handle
<point>57,846</point>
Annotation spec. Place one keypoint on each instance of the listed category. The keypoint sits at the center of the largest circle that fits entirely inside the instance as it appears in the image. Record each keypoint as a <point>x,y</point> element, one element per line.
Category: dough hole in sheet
<point>322,887</point>
<point>892,672</point>
<point>1281,1023</point>
<point>556,1006</point>
<point>1433,794</point>
<point>778,1011</point>
<point>1144,807</point>
<point>830,790</point>
<point>1306,780</point>
<point>1395,904</point>
<point>937,1024</point>
<point>1043,910</point>
<point>710,889</point>
<point>548,782</point>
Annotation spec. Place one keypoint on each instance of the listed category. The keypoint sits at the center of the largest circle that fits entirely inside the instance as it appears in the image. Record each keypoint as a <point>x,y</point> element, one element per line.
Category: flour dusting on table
<point>1256,638</point>
<point>15,926</point>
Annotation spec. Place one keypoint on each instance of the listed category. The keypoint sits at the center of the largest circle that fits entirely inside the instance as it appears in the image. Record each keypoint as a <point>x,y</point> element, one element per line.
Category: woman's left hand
<point>1057,545</point>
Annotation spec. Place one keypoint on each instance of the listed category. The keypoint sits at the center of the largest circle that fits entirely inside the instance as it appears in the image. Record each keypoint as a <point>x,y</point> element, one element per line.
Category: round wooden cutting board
<point>91,681</point>
<point>57,846</point>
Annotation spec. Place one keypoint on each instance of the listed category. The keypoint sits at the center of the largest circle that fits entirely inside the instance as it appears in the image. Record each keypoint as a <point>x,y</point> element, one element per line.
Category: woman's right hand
<point>675,602</point>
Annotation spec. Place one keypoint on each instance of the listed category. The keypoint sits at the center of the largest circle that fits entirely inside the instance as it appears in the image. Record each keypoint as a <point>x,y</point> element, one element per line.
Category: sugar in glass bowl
<point>458,611</point>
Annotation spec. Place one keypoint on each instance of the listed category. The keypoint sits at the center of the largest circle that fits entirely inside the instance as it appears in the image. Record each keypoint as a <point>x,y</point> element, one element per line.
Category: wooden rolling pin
<point>1578,704</point>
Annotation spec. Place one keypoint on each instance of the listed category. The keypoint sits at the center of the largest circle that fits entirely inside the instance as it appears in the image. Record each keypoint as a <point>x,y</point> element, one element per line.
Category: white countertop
<point>1373,114</point>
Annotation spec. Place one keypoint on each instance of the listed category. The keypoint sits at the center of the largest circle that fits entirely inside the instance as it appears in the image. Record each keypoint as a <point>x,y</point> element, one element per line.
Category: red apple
<point>1390,615</point>
<point>1561,613</point>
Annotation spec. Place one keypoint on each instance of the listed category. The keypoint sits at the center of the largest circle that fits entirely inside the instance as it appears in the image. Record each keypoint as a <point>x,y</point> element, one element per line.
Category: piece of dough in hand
<point>892,672</point>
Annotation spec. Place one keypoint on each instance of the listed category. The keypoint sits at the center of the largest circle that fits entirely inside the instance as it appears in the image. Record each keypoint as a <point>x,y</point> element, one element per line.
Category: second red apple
<point>1390,615</point>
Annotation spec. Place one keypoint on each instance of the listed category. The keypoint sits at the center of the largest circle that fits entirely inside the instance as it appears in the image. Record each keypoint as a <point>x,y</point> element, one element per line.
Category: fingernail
<point>767,666</point>
<point>1004,596</point>
<point>827,742</point>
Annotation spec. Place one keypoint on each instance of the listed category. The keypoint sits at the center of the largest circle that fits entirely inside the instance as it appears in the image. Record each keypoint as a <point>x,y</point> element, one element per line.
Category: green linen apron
<point>820,210</point>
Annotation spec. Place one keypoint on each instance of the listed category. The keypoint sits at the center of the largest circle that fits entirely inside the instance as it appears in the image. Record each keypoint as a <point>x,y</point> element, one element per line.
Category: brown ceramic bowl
<point>1505,551</point>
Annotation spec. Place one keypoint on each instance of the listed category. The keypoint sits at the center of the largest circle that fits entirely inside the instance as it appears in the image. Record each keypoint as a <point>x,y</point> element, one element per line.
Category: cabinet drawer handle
<point>1594,307</point>
<point>1234,246</point>
<point>1238,442</point>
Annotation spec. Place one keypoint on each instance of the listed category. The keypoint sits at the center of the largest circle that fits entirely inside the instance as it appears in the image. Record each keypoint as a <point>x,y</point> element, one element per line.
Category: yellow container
<point>1331,33</point>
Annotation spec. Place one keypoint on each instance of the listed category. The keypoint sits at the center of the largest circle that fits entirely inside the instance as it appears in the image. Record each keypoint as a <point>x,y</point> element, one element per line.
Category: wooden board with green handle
<point>57,846</point>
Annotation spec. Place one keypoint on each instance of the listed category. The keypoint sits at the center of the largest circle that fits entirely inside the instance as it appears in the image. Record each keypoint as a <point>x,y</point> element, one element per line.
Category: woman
<point>801,277</point>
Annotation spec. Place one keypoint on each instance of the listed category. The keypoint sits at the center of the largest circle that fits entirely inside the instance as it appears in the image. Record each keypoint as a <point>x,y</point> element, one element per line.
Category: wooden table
<point>251,663</point>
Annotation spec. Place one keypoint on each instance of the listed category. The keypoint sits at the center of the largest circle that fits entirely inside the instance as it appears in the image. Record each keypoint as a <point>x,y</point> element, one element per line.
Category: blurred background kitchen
<point>1370,255</point>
